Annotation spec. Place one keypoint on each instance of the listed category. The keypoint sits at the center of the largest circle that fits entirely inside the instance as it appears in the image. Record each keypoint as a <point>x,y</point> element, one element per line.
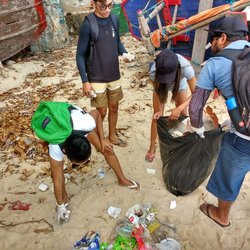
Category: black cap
<point>166,66</point>
<point>231,25</point>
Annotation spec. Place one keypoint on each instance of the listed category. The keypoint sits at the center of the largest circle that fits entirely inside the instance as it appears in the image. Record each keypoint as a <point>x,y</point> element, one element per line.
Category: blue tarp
<point>186,9</point>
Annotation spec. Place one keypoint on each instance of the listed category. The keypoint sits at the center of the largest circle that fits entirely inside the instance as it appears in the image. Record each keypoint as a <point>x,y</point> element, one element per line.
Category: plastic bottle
<point>134,220</point>
<point>138,233</point>
<point>234,114</point>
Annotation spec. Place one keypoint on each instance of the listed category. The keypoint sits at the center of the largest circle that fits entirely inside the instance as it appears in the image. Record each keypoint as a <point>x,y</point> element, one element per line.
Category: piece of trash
<point>137,209</point>
<point>172,204</point>
<point>114,211</point>
<point>67,176</point>
<point>90,241</point>
<point>124,228</point>
<point>92,94</point>
<point>101,173</point>
<point>168,243</point>
<point>150,171</point>
<point>43,187</point>
<point>18,205</point>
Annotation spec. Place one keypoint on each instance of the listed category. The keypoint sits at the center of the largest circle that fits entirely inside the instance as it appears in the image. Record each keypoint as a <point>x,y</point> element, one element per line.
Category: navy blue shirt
<point>83,49</point>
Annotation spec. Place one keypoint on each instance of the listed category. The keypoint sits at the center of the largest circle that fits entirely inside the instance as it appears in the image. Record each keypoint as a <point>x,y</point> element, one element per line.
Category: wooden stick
<point>207,21</point>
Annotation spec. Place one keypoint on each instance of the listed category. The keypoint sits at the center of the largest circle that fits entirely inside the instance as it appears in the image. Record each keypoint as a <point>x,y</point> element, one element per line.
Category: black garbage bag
<point>187,160</point>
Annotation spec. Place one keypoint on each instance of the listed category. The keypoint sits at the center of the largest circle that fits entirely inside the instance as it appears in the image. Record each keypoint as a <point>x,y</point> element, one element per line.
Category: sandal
<point>135,185</point>
<point>205,208</point>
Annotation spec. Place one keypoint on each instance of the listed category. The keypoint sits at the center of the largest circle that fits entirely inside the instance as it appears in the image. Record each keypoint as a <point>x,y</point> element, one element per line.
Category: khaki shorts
<point>106,93</point>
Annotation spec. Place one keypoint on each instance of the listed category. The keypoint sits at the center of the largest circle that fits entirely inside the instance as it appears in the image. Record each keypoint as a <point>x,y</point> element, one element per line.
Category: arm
<point>81,55</point>
<point>158,106</point>
<point>120,46</point>
<point>196,105</point>
<point>58,180</point>
<point>56,165</point>
<point>82,49</point>
<point>184,105</point>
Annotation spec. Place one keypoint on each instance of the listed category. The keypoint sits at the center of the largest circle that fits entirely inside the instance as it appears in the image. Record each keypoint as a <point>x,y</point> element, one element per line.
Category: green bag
<point>52,122</point>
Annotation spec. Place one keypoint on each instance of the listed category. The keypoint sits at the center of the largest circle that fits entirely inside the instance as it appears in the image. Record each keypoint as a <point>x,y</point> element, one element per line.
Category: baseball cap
<point>166,66</point>
<point>231,25</point>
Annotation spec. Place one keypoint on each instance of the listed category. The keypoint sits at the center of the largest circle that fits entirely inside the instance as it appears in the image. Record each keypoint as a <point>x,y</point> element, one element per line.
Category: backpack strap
<point>94,28</point>
<point>245,53</point>
<point>230,54</point>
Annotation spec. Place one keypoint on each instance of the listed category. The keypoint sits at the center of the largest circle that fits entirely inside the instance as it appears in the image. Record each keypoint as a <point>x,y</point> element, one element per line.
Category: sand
<point>24,164</point>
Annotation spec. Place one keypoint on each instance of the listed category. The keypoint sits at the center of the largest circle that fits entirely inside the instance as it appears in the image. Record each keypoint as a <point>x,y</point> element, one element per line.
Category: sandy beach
<point>24,163</point>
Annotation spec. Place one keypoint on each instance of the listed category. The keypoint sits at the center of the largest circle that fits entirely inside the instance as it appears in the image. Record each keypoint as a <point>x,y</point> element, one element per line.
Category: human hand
<point>157,115</point>
<point>175,113</point>
<point>62,213</point>
<point>127,57</point>
<point>198,131</point>
<point>88,90</point>
<point>107,145</point>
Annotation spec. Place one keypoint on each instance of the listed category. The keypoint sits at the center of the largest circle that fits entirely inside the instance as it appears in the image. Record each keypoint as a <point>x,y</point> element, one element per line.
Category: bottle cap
<point>231,103</point>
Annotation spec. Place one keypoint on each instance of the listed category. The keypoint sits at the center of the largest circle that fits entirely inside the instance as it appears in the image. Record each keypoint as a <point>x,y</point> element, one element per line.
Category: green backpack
<point>52,122</point>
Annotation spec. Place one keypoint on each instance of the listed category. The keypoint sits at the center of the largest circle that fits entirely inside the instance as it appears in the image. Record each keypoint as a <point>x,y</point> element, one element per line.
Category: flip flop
<point>120,143</point>
<point>149,157</point>
<point>136,186</point>
<point>206,212</point>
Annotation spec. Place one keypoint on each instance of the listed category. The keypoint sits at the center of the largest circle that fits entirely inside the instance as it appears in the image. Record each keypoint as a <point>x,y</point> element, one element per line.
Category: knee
<point>107,153</point>
<point>113,109</point>
<point>103,114</point>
